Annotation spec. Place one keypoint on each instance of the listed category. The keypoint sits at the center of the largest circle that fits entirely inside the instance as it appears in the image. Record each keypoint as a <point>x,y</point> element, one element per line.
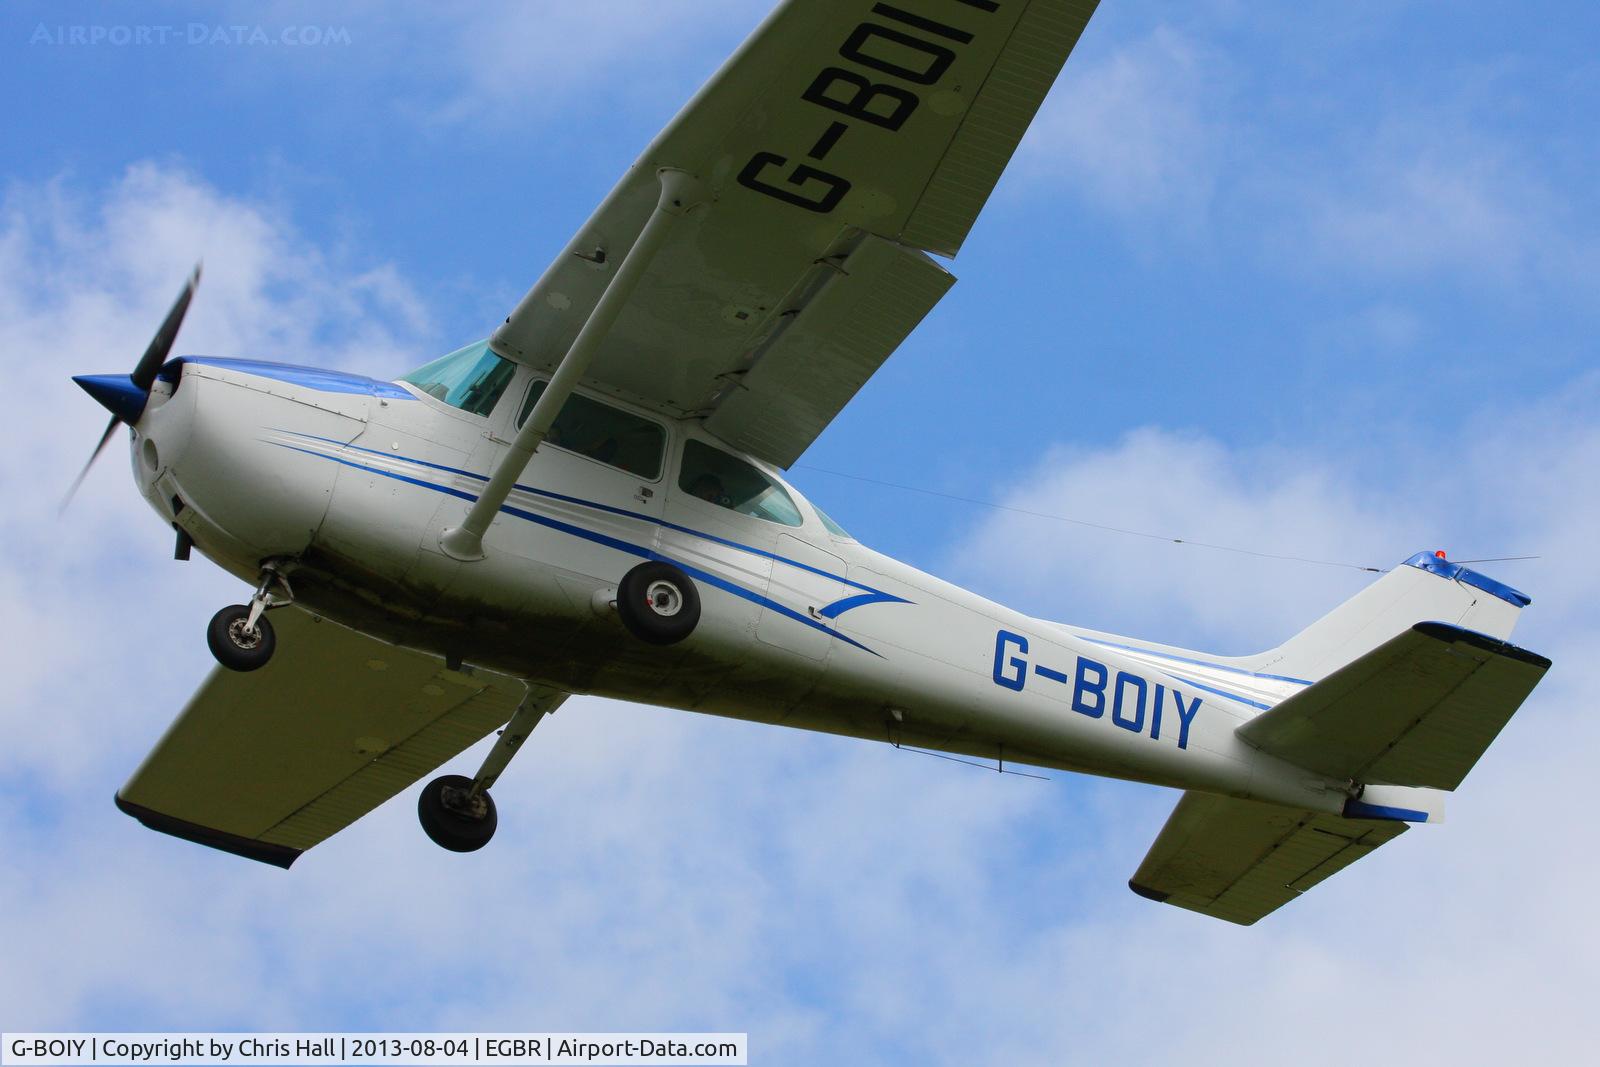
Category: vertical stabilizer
<point>1422,589</point>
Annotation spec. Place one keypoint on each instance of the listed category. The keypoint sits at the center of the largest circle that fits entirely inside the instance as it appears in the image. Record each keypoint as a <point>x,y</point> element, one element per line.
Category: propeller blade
<point>126,397</point>
<point>149,365</point>
<point>111,428</point>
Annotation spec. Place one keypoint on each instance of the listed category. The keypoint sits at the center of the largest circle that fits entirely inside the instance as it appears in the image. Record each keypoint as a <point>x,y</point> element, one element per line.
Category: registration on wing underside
<point>834,121</point>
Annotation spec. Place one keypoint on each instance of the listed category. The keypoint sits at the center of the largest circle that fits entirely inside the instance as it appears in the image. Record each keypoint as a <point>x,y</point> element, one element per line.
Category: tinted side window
<point>602,432</point>
<point>727,481</point>
<point>831,526</point>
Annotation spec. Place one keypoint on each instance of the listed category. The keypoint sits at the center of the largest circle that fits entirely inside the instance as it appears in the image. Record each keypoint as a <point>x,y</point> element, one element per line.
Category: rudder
<point>1425,588</point>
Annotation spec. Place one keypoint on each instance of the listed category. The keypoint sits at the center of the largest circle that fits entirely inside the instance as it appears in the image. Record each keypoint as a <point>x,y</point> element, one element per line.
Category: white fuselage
<point>354,480</point>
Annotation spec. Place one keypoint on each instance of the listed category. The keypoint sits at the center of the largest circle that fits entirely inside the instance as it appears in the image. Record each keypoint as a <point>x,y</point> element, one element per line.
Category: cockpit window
<point>831,526</point>
<point>470,378</point>
<point>603,432</point>
<point>711,474</point>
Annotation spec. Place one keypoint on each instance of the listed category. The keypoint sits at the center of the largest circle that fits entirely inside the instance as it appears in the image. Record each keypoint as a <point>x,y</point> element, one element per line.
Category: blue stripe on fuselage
<point>1219,692</point>
<point>1196,662</point>
<point>599,538</point>
<point>830,611</point>
<point>318,378</point>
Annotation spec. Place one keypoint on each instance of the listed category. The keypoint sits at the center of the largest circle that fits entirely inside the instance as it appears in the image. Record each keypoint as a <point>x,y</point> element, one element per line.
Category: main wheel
<point>235,647</point>
<point>658,603</point>
<point>453,817</point>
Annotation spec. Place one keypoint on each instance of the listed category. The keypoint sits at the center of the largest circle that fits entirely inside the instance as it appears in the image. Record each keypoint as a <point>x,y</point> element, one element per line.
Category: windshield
<point>470,378</point>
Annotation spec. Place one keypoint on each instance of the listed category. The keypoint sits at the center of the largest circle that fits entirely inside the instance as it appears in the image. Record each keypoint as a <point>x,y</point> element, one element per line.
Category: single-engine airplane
<point>591,500</point>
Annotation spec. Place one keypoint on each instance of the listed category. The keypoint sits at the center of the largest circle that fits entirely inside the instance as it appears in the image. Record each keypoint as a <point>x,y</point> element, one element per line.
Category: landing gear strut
<point>240,636</point>
<point>457,812</point>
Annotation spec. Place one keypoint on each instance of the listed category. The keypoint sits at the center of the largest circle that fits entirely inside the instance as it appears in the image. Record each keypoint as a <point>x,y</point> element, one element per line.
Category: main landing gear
<point>456,815</point>
<point>658,603</point>
<point>457,812</point>
<point>240,636</point>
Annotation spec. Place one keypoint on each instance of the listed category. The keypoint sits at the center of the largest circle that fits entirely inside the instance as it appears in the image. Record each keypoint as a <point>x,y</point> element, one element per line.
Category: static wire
<point>1121,529</point>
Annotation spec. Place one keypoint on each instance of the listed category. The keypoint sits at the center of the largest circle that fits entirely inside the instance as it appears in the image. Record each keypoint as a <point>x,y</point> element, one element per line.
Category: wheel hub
<point>245,636</point>
<point>463,802</point>
<point>664,598</point>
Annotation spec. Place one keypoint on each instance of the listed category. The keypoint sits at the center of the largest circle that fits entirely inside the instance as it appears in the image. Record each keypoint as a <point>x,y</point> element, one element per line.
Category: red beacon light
<point>1438,553</point>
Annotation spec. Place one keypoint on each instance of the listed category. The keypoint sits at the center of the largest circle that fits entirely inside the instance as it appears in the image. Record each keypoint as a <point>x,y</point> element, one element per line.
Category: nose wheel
<point>240,636</point>
<point>238,644</point>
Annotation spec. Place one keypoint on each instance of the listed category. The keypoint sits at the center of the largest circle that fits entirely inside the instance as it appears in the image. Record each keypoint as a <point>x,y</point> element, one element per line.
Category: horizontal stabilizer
<point>1418,710</point>
<point>1241,859</point>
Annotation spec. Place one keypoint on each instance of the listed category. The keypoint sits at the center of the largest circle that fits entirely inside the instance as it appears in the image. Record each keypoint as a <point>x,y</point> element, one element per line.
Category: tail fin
<point>1411,680</point>
<point>1422,589</point>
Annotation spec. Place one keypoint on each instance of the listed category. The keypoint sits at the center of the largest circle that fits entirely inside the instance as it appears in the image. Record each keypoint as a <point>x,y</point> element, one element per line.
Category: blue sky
<point>1315,279</point>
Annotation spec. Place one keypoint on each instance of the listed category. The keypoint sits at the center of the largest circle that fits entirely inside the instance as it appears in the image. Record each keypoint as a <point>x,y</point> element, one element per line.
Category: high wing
<point>1242,859</point>
<point>843,141</point>
<point>269,763</point>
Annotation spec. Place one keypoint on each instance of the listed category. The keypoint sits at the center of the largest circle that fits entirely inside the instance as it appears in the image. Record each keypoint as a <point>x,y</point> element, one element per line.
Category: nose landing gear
<point>240,636</point>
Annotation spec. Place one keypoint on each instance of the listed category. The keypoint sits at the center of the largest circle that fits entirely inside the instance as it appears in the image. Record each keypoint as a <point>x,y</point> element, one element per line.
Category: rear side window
<point>727,481</point>
<point>604,433</point>
<point>831,526</point>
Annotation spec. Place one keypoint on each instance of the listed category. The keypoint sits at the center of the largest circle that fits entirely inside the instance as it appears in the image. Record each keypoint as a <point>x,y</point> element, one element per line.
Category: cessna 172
<point>590,501</point>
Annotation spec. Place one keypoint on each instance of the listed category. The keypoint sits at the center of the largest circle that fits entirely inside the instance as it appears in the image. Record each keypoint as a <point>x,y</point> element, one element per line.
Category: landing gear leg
<point>458,813</point>
<point>240,636</point>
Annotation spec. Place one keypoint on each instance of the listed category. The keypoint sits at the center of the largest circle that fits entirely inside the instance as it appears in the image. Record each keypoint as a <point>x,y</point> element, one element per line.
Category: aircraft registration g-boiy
<point>591,501</point>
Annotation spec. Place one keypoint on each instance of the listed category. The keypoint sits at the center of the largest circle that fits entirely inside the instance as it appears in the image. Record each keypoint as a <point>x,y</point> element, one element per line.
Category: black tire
<point>658,603</point>
<point>450,827</point>
<point>235,649</point>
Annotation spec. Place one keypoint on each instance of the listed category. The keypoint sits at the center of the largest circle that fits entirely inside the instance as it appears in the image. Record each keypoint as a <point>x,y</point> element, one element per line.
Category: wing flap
<point>1240,860</point>
<point>829,349</point>
<point>269,763</point>
<point>1418,710</point>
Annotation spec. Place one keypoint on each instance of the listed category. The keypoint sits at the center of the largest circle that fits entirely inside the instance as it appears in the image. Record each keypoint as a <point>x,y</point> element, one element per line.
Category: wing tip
<point>1149,894</point>
<point>260,851</point>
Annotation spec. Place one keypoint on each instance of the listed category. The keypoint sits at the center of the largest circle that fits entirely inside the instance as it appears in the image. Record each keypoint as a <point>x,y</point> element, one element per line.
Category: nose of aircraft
<point>117,393</point>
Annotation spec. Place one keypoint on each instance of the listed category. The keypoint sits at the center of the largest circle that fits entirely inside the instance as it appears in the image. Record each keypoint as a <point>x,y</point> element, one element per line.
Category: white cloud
<point>1169,134</point>
<point>1140,131</point>
<point>518,61</point>
<point>1430,196</point>
<point>84,283</point>
<point>1194,489</point>
<point>1461,943</point>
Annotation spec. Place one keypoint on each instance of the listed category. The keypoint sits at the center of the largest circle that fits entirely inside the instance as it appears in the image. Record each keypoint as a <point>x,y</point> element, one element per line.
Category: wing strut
<point>680,192</point>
